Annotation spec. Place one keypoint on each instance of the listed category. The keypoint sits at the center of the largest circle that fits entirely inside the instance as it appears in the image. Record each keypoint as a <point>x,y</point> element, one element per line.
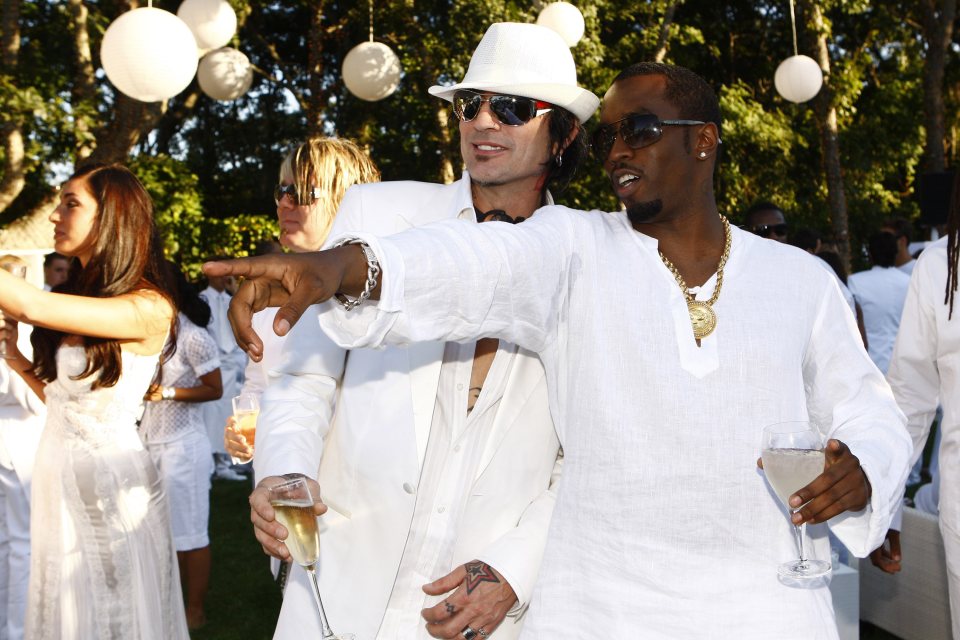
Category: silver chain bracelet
<point>373,271</point>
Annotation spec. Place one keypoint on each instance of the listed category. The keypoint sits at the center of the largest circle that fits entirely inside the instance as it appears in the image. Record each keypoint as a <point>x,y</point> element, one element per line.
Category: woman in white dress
<point>102,564</point>
<point>174,433</point>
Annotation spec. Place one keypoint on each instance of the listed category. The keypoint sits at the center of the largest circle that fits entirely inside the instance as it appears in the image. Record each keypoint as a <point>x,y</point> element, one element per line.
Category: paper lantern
<point>225,74</point>
<point>149,54</point>
<point>371,71</point>
<point>565,19</point>
<point>213,22</point>
<point>798,79</point>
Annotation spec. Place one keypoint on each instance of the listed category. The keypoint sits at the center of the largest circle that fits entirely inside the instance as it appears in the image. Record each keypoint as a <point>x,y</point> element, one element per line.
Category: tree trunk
<point>11,136</point>
<point>84,86</point>
<point>316,104</point>
<point>132,119</point>
<point>34,230</point>
<point>663,43</point>
<point>826,111</point>
<point>937,31</point>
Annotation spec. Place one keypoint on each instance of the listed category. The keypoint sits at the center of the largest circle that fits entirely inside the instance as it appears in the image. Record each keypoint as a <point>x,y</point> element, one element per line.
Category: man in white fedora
<point>439,463</point>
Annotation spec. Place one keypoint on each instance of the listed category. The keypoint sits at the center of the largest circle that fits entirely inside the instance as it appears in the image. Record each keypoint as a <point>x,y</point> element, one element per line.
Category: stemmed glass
<point>293,504</point>
<point>20,271</point>
<point>792,454</point>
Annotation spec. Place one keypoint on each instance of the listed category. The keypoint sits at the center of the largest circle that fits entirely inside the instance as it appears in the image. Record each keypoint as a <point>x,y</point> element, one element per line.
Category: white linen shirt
<point>908,267</point>
<point>880,292</point>
<point>925,371</point>
<point>844,289</point>
<point>664,526</point>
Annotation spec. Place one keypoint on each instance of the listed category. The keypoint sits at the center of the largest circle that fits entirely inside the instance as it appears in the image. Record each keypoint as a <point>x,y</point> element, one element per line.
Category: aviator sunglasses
<point>309,197</point>
<point>636,131</point>
<point>512,111</point>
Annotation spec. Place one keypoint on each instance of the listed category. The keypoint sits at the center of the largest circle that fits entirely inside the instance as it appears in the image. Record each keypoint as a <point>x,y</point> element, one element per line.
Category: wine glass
<point>293,504</point>
<point>20,271</point>
<point>792,454</point>
<point>246,408</point>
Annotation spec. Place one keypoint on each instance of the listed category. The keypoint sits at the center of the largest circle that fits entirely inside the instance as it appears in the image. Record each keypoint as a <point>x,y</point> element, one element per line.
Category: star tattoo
<point>478,572</point>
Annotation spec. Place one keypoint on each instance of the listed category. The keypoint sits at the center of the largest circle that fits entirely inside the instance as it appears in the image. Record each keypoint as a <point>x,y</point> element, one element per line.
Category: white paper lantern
<point>798,79</point>
<point>149,54</point>
<point>371,71</point>
<point>225,74</point>
<point>565,19</point>
<point>213,22</point>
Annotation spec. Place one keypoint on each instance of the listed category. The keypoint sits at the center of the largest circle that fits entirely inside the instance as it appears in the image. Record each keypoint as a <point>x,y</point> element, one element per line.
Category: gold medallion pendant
<point>702,317</point>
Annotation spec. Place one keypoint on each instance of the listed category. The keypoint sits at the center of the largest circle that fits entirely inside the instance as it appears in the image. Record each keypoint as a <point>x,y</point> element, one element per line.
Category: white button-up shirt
<point>456,443</point>
<point>880,292</point>
<point>664,526</point>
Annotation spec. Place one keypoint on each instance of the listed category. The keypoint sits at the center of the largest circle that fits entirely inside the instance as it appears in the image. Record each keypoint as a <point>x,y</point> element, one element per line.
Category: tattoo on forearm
<point>478,572</point>
<point>450,609</point>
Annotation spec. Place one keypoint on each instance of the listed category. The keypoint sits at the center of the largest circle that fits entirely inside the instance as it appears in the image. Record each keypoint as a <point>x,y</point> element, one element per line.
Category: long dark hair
<point>127,256</point>
<point>561,123</point>
<point>191,304</point>
<point>953,243</point>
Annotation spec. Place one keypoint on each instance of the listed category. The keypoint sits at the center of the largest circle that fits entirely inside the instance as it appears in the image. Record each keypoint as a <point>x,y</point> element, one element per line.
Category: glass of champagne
<point>293,504</point>
<point>792,454</point>
<point>20,271</point>
<point>246,408</point>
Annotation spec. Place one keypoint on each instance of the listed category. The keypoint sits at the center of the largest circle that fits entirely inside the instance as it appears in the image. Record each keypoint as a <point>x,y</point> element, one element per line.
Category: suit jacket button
<point>409,488</point>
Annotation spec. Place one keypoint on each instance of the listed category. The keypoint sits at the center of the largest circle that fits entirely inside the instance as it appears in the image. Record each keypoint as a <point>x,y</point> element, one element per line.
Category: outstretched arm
<point>453,280</point>
<point>133,317</point>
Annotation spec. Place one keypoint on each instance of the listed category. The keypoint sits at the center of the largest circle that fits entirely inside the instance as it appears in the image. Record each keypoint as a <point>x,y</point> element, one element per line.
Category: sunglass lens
<point>513,111</point>
<point>641,131</point>
<point>780,229</point>
<point>466,105</point>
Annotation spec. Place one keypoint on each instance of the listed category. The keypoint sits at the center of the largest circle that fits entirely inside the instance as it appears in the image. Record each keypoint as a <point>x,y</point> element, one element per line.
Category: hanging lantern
<point>225,74</point>
<point>798,79</point>
<point>371,71</point>
<point>565,19</point>
<point>213,22</point>
<point>149,54</point>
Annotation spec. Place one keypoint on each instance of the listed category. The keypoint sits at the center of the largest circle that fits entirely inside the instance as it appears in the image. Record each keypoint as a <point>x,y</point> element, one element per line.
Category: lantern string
<point>371,20</point>
<point>793,23</point>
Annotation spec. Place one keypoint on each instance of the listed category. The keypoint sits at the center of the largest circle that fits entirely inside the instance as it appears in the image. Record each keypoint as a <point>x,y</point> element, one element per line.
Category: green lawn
<point>244,601</point>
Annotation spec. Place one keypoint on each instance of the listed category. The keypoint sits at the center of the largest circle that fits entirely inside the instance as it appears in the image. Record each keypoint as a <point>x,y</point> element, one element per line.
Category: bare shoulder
<point>153,306</point>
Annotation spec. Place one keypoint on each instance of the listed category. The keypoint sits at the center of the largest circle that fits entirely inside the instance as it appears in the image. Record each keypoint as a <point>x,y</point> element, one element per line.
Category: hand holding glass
<point>293,504</point>
<point>792,454</point>
<point>20,271</point>
<point>246,408</point>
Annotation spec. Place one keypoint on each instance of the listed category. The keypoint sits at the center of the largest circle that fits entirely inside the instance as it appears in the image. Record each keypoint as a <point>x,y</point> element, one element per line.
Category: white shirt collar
<point>465,199</point>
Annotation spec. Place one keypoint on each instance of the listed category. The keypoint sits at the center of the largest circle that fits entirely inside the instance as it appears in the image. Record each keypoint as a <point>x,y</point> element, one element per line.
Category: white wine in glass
<point>293,503</point>
<point>246,409</point>
<point>792,455</point>
<point>20,271</point>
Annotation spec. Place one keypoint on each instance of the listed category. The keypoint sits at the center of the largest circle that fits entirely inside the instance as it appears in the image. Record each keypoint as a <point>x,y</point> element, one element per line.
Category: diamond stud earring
<point>703,154</point>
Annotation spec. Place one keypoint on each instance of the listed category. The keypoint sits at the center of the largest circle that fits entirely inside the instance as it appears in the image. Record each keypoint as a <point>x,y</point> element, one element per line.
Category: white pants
<point>14,554</point>
<point>184,465</point>
<point>951,543</point>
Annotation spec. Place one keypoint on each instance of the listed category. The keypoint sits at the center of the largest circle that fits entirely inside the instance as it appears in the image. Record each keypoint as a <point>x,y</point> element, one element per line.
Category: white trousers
<point>14,554</point>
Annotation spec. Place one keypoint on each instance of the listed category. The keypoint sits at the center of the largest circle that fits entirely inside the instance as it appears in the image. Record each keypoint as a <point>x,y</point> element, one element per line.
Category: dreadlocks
<point>953,243</point>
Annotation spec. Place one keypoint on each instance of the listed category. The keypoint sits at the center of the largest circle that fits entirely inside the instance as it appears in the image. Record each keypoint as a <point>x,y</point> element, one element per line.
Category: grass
<point>243,601</point>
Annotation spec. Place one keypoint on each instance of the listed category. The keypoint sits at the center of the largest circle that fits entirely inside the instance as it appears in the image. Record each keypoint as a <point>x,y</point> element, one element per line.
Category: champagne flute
<point>293,504</point>
<point>792,454</point>
<point>246,408</point>
<point>20,271</point>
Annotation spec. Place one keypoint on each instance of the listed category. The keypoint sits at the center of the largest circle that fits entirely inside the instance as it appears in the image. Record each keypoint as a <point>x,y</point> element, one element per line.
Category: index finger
<point>253,267</point>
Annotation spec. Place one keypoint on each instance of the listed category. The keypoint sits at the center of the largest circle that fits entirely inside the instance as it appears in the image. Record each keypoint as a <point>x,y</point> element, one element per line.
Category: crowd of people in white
<point>463,370</point>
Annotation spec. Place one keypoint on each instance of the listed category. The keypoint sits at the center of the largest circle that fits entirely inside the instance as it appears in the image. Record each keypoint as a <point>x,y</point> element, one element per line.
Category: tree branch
<point>663,43</point>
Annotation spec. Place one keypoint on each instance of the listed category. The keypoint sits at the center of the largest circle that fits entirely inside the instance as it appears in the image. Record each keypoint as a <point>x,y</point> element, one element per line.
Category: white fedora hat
<point>525,60</point>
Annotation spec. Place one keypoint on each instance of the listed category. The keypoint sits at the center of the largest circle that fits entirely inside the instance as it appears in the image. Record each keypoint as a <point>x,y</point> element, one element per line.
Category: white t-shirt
<point>881,292</point>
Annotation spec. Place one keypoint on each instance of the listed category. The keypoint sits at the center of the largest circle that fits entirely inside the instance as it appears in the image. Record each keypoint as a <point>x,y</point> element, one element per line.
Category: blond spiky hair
<point>332,165</point>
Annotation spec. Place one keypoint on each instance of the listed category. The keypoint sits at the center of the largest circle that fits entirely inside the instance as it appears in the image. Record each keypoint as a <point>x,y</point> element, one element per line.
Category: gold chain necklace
<point>702,316</point>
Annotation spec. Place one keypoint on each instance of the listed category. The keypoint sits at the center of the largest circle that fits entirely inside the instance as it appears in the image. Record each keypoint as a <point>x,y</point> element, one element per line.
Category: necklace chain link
<point>723,261</point>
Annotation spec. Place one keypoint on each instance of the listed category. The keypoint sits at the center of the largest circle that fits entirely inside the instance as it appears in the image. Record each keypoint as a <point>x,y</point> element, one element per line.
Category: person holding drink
<point>173,431</point>
<point>670,340</point>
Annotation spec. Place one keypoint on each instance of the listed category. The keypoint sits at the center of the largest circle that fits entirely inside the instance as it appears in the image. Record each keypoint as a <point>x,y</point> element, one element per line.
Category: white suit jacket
<point>373,445</point>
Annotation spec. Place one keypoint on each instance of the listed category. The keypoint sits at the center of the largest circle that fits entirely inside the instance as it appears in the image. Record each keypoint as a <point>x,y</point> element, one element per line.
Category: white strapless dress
<point>103,563</point>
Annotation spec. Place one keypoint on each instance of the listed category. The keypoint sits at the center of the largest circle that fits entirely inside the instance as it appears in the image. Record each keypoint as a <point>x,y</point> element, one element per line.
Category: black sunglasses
<point>512,111</point>
<point>766,230</point>
<point>309,197</point>
<point>637,131</point>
